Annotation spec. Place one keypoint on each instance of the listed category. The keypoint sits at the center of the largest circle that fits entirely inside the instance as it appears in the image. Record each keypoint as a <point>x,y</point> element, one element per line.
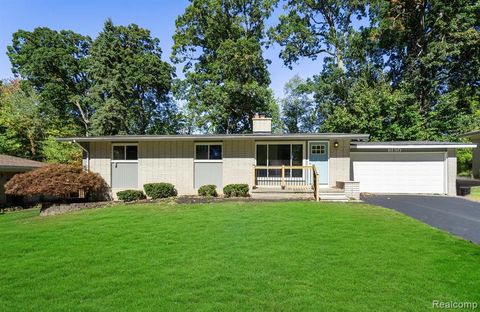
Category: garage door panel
<point>399,172</point>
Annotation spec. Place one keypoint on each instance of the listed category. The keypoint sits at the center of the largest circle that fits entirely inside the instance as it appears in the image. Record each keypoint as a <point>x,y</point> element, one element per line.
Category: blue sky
<point>87,17</point>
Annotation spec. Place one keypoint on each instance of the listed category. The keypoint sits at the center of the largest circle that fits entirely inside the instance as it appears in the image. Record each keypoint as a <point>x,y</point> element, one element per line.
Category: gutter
<point>470,134</point>
<point>140,138</point>
<point>17,168</point>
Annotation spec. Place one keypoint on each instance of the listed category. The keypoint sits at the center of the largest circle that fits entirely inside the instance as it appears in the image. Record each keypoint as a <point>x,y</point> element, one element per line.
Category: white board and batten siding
<point>173,162</point>
<point>167,161</point>
<point>405,172</point>
<point>238,161</point>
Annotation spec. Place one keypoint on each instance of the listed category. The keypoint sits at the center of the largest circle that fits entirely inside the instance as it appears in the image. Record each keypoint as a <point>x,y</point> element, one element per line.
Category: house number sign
<point>394,150</point>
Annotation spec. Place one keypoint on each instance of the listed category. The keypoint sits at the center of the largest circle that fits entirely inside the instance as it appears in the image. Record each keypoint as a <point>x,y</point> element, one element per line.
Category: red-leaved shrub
<point>57,180</point>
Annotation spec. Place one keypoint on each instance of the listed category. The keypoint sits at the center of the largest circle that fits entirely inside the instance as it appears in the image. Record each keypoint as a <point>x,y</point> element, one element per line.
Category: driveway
<point>456,215</point>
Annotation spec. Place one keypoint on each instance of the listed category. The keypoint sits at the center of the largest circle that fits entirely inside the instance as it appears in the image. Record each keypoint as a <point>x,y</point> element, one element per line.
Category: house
<point>320,162</point>
<point>474,136</point>
<point>9,166</point>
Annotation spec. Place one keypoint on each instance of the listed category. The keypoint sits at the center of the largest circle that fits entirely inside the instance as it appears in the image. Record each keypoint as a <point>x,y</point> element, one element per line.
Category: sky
<point>87,17</point>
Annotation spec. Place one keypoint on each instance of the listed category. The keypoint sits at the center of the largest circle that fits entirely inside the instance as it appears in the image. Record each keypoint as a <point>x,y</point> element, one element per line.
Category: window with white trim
<point>124,152</point>
<point>208,151</point>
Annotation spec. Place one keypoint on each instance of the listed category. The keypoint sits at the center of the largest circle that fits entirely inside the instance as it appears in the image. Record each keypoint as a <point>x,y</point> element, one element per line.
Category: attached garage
<point>405,167</point>
<point>400,172</point>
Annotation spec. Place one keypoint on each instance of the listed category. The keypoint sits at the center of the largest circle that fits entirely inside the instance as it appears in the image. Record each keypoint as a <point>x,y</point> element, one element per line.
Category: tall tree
<point>226,76</point>
<point>24,132</point>
<point>298,109</point>
<point>131,82</point>
<point>310,28</point>
<point>433,52</point>
<point>54,64</point>
<point>366,104</point>
<point>20,123</point>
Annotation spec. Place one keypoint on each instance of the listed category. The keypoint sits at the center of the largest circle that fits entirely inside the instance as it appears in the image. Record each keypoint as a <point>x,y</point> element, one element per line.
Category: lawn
<point>230,257</point>
<point>474,193</point>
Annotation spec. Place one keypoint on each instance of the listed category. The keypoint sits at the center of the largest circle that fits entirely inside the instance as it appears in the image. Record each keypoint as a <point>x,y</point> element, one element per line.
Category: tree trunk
<point>85,119</point>
<point>339,57</point>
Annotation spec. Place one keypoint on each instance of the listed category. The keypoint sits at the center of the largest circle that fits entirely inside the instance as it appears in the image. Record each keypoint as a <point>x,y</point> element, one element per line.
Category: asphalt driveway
<point>456,215</point>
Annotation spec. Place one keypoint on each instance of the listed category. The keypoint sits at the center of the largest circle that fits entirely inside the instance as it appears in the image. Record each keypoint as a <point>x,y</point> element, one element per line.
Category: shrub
<point>130,195</point>
<point>464,161</point>
<point>159,190</point>
<point>236,190</point>
<point>209,190</point>
<point>58,180</point>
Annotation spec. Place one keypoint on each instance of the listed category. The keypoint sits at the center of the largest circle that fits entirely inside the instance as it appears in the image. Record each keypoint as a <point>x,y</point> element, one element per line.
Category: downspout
<point>86,152</point>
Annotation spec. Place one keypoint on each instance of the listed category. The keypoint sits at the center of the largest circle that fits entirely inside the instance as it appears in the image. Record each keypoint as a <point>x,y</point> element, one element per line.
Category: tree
<point>54,64</point>
<point>23,131</point>
<point>226,77</point>
<point>433,53</point>
<point>131,82</point>
<point>313,27</point>
<point>298,110</point>
<point>21,126</point>
<point>367,104</point>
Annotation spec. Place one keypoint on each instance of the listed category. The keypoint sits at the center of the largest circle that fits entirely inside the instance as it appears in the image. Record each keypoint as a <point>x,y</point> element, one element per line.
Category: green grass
<point>232,256</point>
<point>475,193</point>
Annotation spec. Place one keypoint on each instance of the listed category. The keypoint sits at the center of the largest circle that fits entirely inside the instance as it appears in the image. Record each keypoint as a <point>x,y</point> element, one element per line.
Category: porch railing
<point>291,177</point>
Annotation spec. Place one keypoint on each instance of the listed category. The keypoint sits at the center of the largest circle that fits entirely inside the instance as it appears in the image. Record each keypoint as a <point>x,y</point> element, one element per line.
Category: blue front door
<point>318,156</point>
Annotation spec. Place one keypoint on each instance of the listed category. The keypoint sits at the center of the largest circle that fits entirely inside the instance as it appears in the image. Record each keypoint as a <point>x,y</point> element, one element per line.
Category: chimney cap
<point>259,115</point>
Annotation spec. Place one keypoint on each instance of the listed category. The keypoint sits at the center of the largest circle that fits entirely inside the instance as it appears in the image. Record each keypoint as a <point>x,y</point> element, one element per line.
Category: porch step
<point>335,197</point>
<point>265,190</point>
<point>283,196</point>
<point>330,194</point>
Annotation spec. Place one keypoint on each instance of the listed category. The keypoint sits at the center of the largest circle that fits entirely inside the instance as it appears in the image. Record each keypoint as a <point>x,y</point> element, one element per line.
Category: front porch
<point>295,182</point>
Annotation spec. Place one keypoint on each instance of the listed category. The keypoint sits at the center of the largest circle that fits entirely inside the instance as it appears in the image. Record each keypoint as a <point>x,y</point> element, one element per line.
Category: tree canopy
<point>227,79</point>
<point>54,63</point>
<point>398,70</point>
<point>409,72</point>
<point>114,84</point>
<point>130,81</point>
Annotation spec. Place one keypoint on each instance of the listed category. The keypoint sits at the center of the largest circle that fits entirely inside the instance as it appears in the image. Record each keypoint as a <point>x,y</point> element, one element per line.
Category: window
<point>131,152</point>
<point>125,152</point>
<point>279,155</point>
<point>215,152</point>
<point>318,149</point>
<point>201,152</point>
<point>208,152</point>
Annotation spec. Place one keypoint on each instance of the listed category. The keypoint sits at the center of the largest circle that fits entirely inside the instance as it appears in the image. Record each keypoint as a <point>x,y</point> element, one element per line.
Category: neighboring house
<point>266,160</point>
<point>9,166</point>
<point>475,138</point>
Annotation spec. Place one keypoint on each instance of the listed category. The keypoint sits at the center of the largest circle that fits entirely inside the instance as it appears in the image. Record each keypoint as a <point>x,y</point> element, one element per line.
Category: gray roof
<point>12,162</point>
<point>470,134</point>
<point>207,137</point>
<point>407,143</point>
<point>412,144</point>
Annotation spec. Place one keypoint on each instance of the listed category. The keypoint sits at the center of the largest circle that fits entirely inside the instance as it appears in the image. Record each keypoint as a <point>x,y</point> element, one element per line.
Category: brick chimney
<point>261,124</point>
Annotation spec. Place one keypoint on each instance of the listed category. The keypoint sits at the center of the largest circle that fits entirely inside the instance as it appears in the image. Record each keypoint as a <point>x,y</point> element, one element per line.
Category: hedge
<point>159,190</point>
<point>236,190</point>
<point>208,190</point>
<point>130,195</point>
